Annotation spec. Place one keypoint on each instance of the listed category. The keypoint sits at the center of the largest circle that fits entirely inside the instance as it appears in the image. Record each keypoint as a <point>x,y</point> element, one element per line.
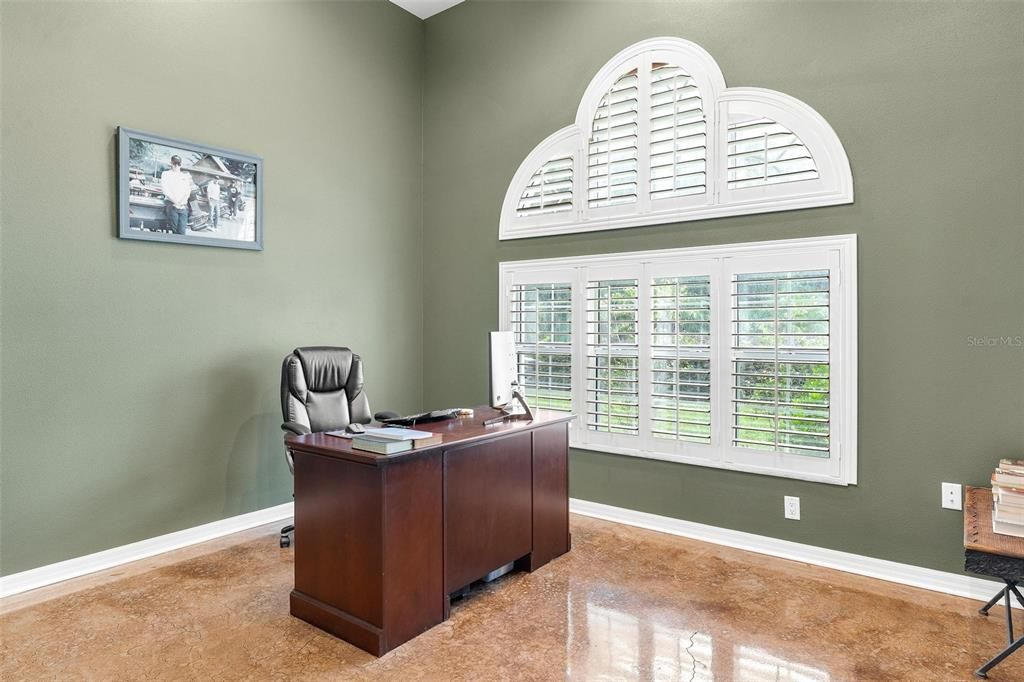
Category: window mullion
<point>775,378</point>
<point>721,362</point>
<point>644,385</point>
<point>643,140</point>
<point>579,342</point>
<point>838,359</point>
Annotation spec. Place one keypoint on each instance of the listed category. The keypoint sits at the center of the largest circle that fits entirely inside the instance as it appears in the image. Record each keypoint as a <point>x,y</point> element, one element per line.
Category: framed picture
<point>176,191</point>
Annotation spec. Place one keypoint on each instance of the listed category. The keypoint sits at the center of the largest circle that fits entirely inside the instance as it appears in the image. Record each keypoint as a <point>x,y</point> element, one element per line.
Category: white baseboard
<point>108,558</point>
<point>904,574</point>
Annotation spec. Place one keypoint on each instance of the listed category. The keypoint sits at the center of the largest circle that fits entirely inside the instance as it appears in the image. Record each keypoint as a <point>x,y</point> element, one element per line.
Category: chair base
<point>286,539</point>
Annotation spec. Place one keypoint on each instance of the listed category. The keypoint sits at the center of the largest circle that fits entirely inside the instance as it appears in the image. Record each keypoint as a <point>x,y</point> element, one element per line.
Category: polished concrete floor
<point>625,604</point>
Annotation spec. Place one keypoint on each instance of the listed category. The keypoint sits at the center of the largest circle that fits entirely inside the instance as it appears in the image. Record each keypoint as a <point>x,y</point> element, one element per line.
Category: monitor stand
<point>512,411</point>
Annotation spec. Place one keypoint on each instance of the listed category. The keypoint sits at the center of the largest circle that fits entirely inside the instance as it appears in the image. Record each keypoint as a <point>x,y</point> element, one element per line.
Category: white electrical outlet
<point>792,507</point>
<point>952,496</point>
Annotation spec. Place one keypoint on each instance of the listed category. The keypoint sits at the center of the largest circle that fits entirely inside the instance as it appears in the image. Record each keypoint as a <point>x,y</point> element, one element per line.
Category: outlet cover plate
<point>791,507</point>
<point>952,496</point>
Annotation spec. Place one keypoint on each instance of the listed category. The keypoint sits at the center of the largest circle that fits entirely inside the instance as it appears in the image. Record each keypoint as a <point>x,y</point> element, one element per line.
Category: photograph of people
<point>177,188</point>
<point>213,197</point>
<point>173,191</point>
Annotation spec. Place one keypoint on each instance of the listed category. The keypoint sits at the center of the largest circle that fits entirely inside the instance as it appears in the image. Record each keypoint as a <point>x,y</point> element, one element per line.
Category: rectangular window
<point>739,357</point>
<point>541,319</point>
<point>613,359</point>
<point>681,358</point>
<point>780,361</point>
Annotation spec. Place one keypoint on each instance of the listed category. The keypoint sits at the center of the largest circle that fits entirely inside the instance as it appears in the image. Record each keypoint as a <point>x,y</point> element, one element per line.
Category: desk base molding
<point>340,624</point>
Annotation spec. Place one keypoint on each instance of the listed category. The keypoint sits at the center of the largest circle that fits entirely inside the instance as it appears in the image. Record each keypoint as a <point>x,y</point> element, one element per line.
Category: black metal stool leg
<point>983,670</point>
<point>1009,614</point>
<point>1012,645</point>
<point>992,602</point>
<point>1020,598</point>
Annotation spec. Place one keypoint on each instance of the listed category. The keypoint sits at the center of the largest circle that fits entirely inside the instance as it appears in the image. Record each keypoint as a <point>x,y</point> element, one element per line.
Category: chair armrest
<point>386,414</point>
<point>296,428</point>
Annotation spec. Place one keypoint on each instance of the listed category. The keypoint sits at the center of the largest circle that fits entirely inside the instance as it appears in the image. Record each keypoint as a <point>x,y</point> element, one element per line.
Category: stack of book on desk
<point>1008,497</point>
<point>388,441</point>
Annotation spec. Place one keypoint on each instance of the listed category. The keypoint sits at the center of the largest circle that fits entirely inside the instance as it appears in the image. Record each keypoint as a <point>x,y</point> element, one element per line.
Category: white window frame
<point>838,254</point>
<point>834,184</point>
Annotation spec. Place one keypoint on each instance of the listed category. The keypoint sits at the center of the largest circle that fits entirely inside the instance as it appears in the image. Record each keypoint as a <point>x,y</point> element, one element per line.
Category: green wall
<point>140,380</point>
<point>927,100</point>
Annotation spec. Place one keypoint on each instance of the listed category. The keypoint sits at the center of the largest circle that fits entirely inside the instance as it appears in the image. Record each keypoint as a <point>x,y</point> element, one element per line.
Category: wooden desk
<point>1000,556</point>
<point>382,541</point>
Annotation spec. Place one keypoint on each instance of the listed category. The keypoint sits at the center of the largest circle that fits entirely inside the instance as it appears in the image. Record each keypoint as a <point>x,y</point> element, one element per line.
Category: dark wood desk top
<point>458,430</point>
<point>978,533</point>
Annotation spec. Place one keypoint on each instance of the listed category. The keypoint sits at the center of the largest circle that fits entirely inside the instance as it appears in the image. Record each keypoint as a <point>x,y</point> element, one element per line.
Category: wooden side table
<point>992,554</point>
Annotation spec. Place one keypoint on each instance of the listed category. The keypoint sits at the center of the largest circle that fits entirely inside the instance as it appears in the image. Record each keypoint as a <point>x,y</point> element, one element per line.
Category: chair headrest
<point>325,368</point>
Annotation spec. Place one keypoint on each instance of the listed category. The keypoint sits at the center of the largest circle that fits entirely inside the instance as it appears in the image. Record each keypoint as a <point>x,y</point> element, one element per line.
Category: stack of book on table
<point>1008,497</point>
<point>388,441</point>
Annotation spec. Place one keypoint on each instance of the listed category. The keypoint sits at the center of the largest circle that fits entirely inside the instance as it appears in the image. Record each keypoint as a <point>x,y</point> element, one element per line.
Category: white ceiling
<point>425,8</point>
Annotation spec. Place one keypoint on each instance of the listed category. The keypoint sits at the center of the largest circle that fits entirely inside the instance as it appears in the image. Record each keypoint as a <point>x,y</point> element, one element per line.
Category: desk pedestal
<point>380,547</point>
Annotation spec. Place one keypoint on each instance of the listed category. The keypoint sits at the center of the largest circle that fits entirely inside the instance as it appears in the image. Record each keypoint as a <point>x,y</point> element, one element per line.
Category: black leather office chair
<point>322,390</point>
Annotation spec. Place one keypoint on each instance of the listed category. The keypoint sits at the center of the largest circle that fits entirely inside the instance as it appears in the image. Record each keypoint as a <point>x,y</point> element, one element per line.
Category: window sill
<point>704,462</point>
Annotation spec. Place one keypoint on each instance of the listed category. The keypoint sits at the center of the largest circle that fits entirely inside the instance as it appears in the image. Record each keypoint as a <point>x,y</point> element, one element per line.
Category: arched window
<point>612,161</point>
<point>659,138</point>
<point>764,152</point>
<point>549,190</point>
<point>678,141</point>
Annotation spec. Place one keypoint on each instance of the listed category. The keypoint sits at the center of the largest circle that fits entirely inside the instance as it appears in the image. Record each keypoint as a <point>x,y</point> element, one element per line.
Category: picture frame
<point>180,192</point>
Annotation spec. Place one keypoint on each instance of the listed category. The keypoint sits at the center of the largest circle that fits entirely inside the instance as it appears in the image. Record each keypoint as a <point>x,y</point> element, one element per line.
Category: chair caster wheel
<point>286,541</point>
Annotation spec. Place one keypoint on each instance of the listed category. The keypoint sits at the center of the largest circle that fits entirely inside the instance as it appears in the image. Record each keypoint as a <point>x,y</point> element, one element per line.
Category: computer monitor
<point>505,390</point>
<point>504,369</point>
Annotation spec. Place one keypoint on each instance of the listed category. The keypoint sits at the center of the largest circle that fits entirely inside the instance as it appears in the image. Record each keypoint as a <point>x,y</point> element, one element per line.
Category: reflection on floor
<point>625,604</point>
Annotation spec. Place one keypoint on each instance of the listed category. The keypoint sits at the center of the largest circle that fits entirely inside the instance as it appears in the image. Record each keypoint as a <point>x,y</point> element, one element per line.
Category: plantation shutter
<point>612,150</point>
<point>680,351</point>
<point>763,152</point>
<point>540,316</point>
<point>781,362</point>
<point>549,190</point>
<point>678,136</point>
<point>612,356</point>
